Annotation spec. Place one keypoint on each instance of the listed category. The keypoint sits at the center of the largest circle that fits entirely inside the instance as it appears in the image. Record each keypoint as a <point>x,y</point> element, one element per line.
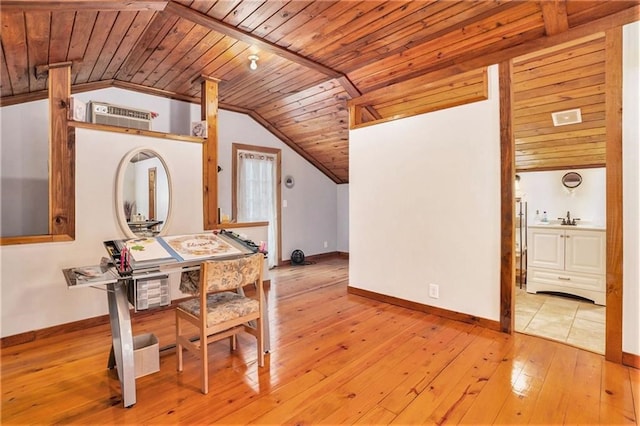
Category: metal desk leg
<point>122,337</point>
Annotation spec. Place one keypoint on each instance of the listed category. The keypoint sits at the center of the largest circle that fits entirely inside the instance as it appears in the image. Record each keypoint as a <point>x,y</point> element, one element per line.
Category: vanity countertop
<point>557,225</point>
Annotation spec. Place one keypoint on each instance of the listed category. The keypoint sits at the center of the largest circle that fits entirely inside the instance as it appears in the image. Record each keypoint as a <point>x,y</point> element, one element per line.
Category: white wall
<point>310,216</point>
<point>34,293</point>
<point>631,188</point>
<point>543,191</point>
<point>425,207</point>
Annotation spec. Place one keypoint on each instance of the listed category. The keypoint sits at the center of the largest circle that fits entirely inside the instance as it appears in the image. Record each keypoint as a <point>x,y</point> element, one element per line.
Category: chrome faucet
<point>568,220</point>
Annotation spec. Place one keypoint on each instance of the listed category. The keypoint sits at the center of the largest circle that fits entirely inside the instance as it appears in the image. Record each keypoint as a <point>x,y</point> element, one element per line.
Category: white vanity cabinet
<point>567,260</point>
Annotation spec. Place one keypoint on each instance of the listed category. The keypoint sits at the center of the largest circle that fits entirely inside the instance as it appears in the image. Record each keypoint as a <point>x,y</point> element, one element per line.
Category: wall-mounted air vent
<point>114,115</point>
<point>562,118</point>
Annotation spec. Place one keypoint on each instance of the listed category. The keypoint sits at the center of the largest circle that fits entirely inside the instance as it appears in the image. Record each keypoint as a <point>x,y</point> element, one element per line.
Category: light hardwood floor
<point>336,359</point>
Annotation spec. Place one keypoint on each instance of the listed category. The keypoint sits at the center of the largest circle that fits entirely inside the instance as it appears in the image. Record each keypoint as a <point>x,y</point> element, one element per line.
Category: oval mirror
<point>571,180</point>
<point>143,194</point>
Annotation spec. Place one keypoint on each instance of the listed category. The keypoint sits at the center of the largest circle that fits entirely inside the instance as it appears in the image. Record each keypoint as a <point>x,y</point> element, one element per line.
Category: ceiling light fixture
<point>253,65</point>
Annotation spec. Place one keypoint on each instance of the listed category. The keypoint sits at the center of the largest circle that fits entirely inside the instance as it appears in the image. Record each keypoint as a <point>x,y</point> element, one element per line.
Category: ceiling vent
<point>562,118</point>
<point>114,115</point>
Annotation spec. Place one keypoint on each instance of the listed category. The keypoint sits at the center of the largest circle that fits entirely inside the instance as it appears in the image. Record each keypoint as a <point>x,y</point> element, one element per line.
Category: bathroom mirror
<point>571,180</point>
<point>143,194</point>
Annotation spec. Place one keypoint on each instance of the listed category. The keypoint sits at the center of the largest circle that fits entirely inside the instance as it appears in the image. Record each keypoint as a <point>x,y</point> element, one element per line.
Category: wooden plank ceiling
<point>314,56</point>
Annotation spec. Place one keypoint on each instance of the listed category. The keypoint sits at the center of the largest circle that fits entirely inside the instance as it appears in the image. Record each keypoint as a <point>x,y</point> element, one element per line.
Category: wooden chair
<point>228,312</point>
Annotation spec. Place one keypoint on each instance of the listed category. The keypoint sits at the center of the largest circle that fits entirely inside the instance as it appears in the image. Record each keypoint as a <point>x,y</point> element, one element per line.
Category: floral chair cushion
<point>222,307</point>
<point>223,274</point>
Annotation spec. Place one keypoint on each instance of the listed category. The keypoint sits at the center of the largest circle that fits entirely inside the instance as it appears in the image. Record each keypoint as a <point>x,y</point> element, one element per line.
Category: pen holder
<point>125,272</point>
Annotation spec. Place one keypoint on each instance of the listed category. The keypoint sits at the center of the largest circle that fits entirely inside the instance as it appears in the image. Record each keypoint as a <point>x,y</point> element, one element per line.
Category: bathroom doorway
<point>560,300</point>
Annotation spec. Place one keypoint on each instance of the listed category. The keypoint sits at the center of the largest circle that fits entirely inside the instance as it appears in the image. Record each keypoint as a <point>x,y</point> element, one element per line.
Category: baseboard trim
<point>631,360</point>
<point>466,318</point>
<point>57,330</point>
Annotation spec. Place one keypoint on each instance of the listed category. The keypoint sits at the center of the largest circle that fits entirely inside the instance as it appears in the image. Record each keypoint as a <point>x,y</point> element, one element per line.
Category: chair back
<point>223,275</point>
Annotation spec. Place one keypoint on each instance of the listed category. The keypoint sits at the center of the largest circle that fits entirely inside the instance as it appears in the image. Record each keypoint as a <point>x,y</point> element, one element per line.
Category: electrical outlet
<point>434,291</point>
<point>326,244</point>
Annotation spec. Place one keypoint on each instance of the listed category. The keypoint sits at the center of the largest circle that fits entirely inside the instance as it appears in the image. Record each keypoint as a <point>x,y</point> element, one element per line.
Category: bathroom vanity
<point>567,259</point>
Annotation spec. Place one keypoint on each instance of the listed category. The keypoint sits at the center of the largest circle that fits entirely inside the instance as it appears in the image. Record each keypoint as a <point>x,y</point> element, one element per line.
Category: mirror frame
<point>122,169</point>
<point>571,180</point>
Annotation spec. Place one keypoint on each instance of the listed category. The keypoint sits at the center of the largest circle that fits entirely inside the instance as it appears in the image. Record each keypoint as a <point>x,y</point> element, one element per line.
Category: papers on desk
<point>200,246</point>
<point>154,251</point>
<point>147,252</point>
<point>90,275</point>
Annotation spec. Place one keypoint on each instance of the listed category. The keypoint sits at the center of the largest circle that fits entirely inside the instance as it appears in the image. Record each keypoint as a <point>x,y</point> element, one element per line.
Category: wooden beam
<point>507,199</point>
<point>554,13</point>
<point>210,154</point>
<point>84,5</point>
<point>613,117</point>
<point>451,68</point>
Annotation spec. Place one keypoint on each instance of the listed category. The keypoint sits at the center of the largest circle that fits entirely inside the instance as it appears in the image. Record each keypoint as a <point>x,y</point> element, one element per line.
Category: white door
<point>546,248</point>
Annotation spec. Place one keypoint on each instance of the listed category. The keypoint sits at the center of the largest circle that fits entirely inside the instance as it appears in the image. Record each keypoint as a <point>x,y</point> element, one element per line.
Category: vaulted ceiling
<point>314,56</point>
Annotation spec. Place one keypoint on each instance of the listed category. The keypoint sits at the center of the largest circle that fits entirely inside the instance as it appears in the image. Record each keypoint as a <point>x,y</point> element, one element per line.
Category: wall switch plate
<point>434,291</point>
<point>326,244</point>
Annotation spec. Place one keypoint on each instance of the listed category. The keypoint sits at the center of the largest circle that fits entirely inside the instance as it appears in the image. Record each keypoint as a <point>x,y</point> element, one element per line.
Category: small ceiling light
<point>562,118</point>
<point>253,65</point>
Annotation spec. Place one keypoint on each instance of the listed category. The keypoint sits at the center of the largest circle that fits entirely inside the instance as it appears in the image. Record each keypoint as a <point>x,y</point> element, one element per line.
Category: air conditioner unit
<point>114,115</point>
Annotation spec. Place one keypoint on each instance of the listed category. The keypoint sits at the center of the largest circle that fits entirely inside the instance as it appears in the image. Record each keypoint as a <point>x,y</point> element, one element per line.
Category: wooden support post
<point>209,106</point>
<point>507,201</point>
<point>62,155</point>
<point>613,120</point>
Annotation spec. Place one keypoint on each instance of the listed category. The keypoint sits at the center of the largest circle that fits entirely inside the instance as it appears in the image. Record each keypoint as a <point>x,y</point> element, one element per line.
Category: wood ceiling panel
<point>61,27</point>
<point>400,66</point>
<point>287,15</point>
<point>210,64</point>
<point>128,42</point>
<point>297,19</point>
<point>298,38</point>
<point>164,49</point>
<point>14,44</point>
<point>315,56</point>
<point>157,29</point>
<point>38,27</point>
<point>462,89</point>
<point>414,27</point>
<point>191,40</point>
<point>373,30</point>
<point>99,34</point>
<point>194,59</point>
<point>120,26</point>
<point>326,102</point>
<point>582,12</point>
<point>5,80</point>
<point>82,27</point>
<point>262,13</point>
<point>327,89</point>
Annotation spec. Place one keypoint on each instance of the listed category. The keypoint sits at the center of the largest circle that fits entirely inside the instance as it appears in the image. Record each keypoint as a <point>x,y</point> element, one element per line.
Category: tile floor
<point>568,320</point>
